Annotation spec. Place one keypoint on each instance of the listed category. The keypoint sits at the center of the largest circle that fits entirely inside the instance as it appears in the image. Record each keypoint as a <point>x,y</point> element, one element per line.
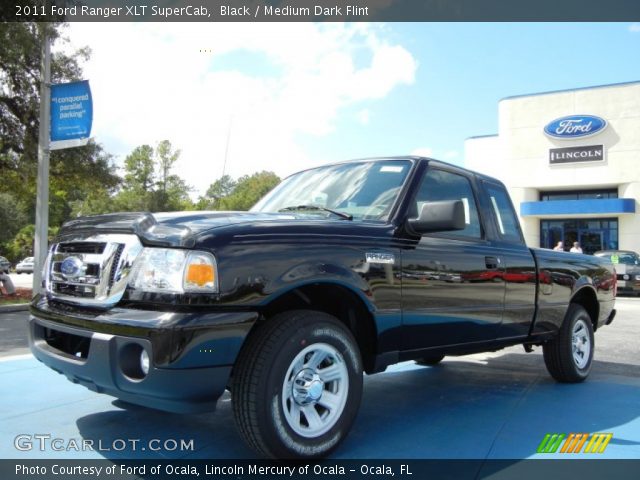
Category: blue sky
<point>464,69</point>
<point>301,94</point>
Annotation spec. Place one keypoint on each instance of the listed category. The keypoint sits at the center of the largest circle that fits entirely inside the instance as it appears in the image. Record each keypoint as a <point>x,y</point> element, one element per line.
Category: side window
<point>506,220</point>
<point>441,185</point>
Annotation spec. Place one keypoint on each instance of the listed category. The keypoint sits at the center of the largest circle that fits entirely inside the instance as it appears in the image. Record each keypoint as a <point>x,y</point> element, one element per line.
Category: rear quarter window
<point>507,224</point>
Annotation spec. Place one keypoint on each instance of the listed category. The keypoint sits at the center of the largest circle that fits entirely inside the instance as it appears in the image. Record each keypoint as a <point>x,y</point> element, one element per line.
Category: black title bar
<point>157,469</point>
<point>322,11</point>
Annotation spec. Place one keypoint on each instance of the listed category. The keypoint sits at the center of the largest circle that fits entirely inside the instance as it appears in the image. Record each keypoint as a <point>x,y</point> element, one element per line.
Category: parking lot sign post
<point>66,116</point>
<point>42,196</point>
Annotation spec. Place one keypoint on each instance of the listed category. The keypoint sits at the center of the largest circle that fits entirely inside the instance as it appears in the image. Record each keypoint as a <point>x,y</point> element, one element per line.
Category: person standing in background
<point>559,247</point>
<point>576,248</point>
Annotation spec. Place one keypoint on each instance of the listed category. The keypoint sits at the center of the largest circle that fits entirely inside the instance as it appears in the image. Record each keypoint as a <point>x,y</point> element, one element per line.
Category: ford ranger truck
<point>339,270</point>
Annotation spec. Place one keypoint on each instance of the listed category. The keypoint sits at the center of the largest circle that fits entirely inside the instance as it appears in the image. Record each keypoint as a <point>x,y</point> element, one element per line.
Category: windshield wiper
<point>346,216</point>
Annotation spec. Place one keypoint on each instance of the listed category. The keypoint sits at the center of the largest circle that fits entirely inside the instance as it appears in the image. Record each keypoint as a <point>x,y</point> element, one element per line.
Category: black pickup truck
<point>340,270</point>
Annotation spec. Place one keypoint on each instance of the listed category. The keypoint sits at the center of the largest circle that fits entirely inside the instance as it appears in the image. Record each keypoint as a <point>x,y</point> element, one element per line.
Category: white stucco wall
<point>519,154</point>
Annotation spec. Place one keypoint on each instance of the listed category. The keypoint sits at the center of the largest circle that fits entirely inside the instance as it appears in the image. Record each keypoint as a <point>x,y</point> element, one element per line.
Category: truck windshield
<point>360,190</point>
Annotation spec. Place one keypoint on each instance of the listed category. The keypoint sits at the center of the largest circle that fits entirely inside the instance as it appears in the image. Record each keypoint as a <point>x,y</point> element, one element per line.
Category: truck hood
<point>180,228</point>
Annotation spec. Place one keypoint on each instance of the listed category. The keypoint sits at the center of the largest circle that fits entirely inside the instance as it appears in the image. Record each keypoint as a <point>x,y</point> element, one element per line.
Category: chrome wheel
<point>315,390</point>
<point>580,344</point>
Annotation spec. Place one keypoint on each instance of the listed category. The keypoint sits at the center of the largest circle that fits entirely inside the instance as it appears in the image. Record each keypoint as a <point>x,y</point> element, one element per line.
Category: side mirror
<point>440,216</point>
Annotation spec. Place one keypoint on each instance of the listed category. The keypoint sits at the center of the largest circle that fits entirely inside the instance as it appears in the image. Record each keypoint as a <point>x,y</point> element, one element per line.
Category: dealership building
<point>571,162</point>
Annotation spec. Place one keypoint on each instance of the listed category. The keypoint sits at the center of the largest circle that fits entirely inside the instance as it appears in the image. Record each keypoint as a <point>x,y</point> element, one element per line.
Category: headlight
<point>166,270</point>
<point>638,277</point>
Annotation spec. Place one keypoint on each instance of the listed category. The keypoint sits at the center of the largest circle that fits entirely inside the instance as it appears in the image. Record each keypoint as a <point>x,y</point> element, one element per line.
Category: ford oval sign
<point>575,126</point>
<point>71,267</point>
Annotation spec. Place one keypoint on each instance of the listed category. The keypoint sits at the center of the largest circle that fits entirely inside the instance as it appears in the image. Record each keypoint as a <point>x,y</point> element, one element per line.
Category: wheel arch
<point>586,297</point>
<point>337,300</point>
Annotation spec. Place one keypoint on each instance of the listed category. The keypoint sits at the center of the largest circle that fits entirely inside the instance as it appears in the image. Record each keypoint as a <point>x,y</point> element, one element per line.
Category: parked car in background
<point>627,264</point>
<point>25,266</point>
<point>5,265</point>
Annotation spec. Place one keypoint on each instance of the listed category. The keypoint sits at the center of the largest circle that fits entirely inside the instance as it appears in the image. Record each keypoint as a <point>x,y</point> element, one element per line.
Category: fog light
<point>144,361</point>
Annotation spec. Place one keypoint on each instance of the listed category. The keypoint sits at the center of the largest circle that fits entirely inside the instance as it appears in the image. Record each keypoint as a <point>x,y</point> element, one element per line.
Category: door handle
<point>492,263</point>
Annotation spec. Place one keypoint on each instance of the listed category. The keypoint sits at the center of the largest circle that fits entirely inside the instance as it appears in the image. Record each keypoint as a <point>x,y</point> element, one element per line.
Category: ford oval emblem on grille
<point>575,126</point>
<point>71,267</point>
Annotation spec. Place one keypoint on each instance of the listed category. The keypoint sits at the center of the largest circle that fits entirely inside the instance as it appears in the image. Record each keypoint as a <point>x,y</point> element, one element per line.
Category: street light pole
<point>42,199</point>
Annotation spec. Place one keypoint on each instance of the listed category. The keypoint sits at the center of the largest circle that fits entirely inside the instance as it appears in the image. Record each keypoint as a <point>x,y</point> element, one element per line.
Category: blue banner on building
<point>71,114</point>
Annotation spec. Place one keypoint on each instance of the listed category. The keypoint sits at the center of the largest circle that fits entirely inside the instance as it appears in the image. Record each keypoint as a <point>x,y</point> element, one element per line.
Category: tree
<point>165,159</point>
<point>176,196</point>
<point>249,189</point>
<point>75,172</point>
<point>96,202</point>
<point>139,180</point>
<point>139,171</point>
<point>22,244</point>
<point>149,184</point>
<point>12,217</point>
<point>172,192</point>
<point>219,189</point>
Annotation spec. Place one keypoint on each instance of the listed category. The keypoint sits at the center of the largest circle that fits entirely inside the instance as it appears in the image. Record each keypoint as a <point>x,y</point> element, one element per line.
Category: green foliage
<point>138,168</point>
<point>172,192</point>
<point>139,181</point>
<point>96,202</point>
<point>149,185</point>
<point>83,180</point>
<point>241,194</point>
<point>219,189</point>
<point>165,160</point>
<point>12,217</point>
<point>22,244</point>
<point>74,172</point>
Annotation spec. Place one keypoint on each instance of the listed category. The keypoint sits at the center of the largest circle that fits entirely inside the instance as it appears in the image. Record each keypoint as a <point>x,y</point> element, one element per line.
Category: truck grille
<point>91,271</point>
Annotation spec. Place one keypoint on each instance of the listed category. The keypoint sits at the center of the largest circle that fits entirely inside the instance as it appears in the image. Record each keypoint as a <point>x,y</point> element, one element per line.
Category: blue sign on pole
<point>71,114</point>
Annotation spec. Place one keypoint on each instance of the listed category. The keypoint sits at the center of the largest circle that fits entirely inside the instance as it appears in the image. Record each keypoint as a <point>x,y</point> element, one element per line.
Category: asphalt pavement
<point>13,334</point>
<point>488,406</point>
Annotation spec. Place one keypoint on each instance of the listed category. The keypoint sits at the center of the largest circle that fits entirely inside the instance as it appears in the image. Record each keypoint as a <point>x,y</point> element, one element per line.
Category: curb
<point>16,307</point>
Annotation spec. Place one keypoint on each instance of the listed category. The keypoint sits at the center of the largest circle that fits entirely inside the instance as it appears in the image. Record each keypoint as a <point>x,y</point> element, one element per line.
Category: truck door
<point>452,282</point>
<point>503,229</point>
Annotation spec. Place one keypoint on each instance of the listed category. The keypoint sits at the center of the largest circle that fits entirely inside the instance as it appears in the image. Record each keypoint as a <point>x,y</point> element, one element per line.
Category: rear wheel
<point>297,385</point>
<point>569,356</point>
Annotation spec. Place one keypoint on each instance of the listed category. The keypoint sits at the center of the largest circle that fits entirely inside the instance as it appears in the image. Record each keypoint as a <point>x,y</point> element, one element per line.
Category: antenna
<point>226,149</point>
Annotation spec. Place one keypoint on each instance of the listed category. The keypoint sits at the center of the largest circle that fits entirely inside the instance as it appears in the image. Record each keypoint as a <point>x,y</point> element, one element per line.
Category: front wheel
<point>297,385</point>
<point>569,356</point>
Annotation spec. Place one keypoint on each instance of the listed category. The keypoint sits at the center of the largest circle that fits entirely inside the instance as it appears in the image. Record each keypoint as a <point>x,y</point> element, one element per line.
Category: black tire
<point>559,357</point>
<point>430,360</point>
<point>278,420</point>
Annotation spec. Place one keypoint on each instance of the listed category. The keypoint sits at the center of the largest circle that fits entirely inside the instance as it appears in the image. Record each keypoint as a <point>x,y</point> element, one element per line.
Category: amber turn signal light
<point>200,274</point>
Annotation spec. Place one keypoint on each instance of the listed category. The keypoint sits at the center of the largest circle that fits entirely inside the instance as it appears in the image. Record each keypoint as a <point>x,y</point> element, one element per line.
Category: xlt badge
<point>379,257</point>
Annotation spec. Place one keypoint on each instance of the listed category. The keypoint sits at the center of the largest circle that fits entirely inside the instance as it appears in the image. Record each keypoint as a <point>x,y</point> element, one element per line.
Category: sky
<point>287,96</point>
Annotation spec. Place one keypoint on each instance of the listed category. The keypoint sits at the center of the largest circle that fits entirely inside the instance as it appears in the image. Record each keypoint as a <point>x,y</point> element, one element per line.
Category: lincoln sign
<point>589,153</point>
